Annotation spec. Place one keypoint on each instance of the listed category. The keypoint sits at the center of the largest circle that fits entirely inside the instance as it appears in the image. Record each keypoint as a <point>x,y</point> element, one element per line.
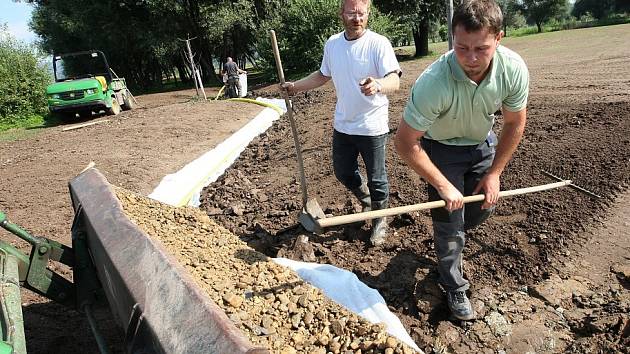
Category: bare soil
<point>577,128</point>
<point>133,150</point>
<point>549,270</point>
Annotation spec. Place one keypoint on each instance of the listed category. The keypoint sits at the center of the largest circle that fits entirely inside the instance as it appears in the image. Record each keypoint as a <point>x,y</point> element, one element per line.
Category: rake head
<point>572,185</point>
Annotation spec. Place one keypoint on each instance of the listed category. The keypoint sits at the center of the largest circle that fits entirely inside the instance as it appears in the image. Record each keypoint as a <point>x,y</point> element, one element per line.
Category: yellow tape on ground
<point>260,103</point>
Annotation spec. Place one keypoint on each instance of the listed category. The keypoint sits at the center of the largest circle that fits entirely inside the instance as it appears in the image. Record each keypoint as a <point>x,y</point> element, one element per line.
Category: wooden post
<point>196,76</point>
<point>191,63</point>
<point>78,126</point>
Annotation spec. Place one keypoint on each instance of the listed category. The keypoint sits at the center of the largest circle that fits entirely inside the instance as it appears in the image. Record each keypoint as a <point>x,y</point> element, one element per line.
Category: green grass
<point>28,126</point>
<point>407,52</point>
<point>523,31</point>
<point>167,86</point>
<point>22,122</point>
<point>568,25</point>
<point>436,49</point>
<point>254,77</point>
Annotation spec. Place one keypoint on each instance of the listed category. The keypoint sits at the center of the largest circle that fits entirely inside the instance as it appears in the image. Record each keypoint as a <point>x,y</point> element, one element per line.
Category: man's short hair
<point>475,15</point>
<point>342,3</point>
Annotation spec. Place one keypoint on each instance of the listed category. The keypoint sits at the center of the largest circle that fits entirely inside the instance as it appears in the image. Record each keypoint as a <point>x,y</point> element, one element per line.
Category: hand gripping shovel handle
<point>298,148</point>
<point>346,219</point>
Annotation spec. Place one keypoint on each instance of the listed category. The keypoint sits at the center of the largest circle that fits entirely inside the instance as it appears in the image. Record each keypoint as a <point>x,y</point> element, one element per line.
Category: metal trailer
<point>150,295</point>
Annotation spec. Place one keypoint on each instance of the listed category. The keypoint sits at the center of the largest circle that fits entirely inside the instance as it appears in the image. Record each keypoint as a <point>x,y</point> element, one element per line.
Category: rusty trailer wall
<point>150,295</point>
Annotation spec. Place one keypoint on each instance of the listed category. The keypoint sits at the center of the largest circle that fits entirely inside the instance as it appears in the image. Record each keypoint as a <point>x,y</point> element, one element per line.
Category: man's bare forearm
<point>314,80</point>
<point>390,83</point>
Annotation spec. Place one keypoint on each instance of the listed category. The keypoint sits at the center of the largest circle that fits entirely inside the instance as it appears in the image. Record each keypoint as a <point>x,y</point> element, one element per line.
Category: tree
<point>622,5</point>
<point>597,8</point>
<point>541,11</point>
<point>23,80</point>
<point>511,15</point>
<point>417,14</point>
<point>302,29</point>
<point>141,39</point>
<point>138,46</point>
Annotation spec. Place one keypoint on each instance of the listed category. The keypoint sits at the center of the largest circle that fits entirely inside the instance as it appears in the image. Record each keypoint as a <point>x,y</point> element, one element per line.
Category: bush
<point>380,23</point>
<point>23,81</point>
<point>303,29</point>
<point>443,33</point>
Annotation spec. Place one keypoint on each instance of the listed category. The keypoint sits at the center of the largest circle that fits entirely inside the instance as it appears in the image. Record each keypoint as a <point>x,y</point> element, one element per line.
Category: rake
<point>317,225</point>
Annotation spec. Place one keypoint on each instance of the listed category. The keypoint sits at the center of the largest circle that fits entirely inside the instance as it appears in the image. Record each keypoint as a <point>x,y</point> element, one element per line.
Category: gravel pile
<point>268,302</point>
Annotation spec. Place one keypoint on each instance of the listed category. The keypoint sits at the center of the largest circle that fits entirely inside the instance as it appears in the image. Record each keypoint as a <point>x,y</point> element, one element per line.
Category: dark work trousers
<point>346,150</point>
<point>463,166</point>
<point>233,86</point>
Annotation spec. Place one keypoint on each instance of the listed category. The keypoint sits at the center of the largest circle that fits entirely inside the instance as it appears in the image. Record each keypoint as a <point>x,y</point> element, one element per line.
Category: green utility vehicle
<point>84,84</point>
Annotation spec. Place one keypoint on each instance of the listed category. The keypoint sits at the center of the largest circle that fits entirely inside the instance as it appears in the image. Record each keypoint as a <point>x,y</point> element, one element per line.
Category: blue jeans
<point>463,166</point>
<point>345,153</point>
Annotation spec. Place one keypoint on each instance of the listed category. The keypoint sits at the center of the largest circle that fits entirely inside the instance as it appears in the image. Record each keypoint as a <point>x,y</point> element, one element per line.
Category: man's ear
<point>499,36</point>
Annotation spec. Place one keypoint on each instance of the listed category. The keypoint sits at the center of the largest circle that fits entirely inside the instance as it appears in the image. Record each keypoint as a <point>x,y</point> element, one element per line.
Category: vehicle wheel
<point>128,102</point>
<point>115,108</point>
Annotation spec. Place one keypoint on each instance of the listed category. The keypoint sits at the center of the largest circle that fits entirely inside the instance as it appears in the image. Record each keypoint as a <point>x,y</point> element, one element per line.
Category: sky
<point>17,17</point>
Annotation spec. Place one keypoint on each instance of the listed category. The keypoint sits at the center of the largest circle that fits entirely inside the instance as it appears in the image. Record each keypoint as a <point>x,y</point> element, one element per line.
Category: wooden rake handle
<point>347,219</point>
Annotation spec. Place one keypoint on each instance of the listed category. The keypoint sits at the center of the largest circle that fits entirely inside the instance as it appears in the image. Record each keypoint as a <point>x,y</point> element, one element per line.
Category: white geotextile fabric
<point>340,285</point>
<point>184,186</point>
<point>346,289</point>
<point>242,86</point>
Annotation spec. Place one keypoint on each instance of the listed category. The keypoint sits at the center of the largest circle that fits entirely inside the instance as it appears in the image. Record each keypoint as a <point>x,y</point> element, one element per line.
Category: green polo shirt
<point>451,108</point>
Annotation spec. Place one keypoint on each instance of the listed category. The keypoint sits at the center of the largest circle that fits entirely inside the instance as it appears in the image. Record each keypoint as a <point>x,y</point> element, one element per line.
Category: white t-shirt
<point>349,62</point>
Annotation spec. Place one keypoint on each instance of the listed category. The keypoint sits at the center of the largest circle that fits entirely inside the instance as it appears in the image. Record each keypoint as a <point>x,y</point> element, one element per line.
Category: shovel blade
<point>310,215</point>
<point>313,208</point>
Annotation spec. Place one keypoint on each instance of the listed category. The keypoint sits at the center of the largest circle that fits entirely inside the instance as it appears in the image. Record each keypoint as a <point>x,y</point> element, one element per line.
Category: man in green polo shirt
<point>446,133</point>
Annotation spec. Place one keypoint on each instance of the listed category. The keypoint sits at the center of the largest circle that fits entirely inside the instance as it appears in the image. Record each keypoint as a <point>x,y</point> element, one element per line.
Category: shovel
<point>311,211</point>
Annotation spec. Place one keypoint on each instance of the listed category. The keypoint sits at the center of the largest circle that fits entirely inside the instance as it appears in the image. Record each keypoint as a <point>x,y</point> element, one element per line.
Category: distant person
<point>231,71</point>
<point>363,67</point>
<point>446,133</point>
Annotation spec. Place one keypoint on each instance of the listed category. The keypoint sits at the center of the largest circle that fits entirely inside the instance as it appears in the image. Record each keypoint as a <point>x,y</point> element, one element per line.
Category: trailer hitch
<point>33,270</point>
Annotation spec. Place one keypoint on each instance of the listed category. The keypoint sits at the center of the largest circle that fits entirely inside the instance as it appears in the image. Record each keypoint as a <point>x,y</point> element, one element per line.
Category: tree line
<point>143,38</point>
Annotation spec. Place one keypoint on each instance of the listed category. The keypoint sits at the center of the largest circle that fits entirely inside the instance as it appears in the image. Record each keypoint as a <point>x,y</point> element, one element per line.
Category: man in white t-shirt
<point>363,67</point>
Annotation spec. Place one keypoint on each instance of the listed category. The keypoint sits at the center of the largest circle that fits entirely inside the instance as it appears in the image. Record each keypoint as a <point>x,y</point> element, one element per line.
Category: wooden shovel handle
<point>287,102</point>
<point>276,55</point>
<point>347,219</point>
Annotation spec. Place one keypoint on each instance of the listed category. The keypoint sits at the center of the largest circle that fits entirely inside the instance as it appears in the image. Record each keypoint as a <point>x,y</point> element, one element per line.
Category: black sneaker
<point>460,305</point>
